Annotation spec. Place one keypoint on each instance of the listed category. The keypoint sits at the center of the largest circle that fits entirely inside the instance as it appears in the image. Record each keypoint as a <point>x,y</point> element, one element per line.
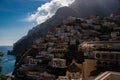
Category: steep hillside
<point>85,8</point>
<point>42,29</point>
<point>80,8</point>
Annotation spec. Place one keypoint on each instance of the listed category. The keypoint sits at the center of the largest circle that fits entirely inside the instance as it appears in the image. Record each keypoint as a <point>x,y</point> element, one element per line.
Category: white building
<point>59,63</point>
<point>63,78</point>
<point>108,75</point>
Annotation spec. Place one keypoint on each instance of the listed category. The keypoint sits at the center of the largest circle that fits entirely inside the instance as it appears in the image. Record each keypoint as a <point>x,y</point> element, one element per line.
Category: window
<point>97,55</point>
<point>98,62</point>
<point>105,64</point>
<point>111,56</point>
<point>104,56</point>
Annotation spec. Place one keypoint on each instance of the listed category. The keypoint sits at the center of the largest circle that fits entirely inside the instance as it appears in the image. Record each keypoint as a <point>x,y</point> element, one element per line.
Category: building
<point>108,75</point>
<point>59,50</point>
<point>40,76</point>
<point>63,78</point>
<point>89,47</point>
<point>100,56</point>
<point>88,66</point>
<point>114,35</point>
<point>107,58</point>
<point>58,63</point>
<point>74,71</point>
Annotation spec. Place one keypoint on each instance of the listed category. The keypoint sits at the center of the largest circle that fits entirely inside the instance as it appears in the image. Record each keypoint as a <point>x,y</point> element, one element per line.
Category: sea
<point>8,61</point>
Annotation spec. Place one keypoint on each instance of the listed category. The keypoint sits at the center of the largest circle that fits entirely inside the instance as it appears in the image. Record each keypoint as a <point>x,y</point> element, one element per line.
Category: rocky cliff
<point>80,8</point>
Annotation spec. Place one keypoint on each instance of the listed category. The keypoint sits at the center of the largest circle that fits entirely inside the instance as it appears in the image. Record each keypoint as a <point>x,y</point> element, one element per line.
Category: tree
<point>0,69</point>
<point>2,77</point>
<point>1,54</point>
<point>72,53</point>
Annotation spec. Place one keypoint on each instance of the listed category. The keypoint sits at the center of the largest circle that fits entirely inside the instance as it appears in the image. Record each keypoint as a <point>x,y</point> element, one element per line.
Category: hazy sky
<point>18,16</point>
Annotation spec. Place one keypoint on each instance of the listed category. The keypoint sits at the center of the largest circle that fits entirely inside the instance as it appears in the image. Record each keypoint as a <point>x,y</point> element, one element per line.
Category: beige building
<point>74,71</point>
<point>89,47</point>
<point>100,55</point>
<point>59,50</point>
<point>108,75</point>
<point>107,58</point>
<point>88,67</point>
<point>79,71</point>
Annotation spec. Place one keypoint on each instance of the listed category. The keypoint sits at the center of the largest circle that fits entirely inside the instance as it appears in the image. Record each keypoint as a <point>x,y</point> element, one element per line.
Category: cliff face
<point>42,29</point>
<point>80,8</point>
<point>85,8</point>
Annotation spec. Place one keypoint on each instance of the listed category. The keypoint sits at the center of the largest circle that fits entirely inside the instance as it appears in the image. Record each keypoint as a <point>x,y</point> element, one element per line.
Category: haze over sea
<point>8,61</point>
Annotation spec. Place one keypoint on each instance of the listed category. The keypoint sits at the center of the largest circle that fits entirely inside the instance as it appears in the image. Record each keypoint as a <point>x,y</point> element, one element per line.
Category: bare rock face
<point>95,7</point>
<point>41,30</point>
<point>80,8</point>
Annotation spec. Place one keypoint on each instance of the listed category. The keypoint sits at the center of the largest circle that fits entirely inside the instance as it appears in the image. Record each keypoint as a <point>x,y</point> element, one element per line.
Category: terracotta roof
<point>74,67</point>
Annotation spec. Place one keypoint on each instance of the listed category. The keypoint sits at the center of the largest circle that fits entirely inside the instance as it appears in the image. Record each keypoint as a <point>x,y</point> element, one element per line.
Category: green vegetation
<point>0,69</point>
<point>2,76</point>
<point>72,53</point>
<point>1,54</point>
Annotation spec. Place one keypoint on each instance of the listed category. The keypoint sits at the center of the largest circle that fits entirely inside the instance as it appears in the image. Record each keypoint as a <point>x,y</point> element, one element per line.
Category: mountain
<point>85,8</point>
<point>42,29</point>
<point>80,8</point>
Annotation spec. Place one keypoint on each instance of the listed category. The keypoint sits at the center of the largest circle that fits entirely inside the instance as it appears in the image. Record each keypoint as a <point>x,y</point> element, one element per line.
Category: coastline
<point>9,76</point>
<point>8,61</point>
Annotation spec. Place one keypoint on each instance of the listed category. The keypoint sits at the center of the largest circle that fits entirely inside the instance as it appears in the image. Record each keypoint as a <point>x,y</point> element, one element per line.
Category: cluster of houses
<point>97,38</point>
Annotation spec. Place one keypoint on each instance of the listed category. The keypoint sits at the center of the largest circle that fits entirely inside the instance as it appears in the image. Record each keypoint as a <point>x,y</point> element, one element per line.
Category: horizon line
<point>6,45</point>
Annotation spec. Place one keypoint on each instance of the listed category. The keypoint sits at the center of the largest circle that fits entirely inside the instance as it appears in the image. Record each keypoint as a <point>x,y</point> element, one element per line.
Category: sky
<point>19,16</point>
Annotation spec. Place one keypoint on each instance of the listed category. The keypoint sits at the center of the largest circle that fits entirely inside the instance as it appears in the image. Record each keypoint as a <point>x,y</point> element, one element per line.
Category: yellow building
<point>74,71</point>
<point>80,71</point>
<point>88,66</point>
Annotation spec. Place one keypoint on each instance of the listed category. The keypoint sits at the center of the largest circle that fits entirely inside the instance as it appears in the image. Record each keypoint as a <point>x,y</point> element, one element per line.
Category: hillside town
<point>77,49</point>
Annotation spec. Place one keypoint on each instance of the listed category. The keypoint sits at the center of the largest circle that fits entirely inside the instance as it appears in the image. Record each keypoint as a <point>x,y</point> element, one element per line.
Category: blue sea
<point>8,61</point>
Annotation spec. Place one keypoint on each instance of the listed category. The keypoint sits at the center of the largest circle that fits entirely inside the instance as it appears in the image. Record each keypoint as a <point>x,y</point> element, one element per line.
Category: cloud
<point>47,10</point>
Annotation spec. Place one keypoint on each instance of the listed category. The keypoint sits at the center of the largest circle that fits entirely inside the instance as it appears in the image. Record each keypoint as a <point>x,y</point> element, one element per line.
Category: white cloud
<point>47,10</point>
